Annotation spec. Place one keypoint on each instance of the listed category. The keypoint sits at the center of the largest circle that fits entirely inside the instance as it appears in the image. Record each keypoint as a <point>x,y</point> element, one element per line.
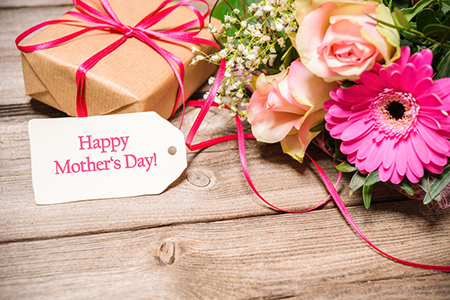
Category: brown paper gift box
<point>132,78</point>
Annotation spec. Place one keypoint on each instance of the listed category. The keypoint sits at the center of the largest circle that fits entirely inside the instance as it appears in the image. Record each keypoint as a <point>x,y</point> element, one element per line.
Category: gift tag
<point>104,157</point>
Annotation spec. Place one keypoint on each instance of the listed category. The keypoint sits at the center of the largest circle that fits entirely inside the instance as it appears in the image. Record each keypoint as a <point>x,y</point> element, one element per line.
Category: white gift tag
<point>104,157</point>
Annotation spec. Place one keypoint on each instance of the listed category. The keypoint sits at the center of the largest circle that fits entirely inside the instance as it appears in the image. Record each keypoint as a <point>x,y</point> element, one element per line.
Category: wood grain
<point>270,257</point>
<point>212,188</point>
<point>207,236</point>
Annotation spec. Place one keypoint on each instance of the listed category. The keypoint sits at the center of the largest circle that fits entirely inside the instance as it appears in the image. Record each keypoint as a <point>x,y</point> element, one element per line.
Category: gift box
<point>132,78</point>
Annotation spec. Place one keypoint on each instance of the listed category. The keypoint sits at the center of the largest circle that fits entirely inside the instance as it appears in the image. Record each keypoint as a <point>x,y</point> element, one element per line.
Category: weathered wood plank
<point>211,188</point>
<point>12,23</point>
<point>312,256</point>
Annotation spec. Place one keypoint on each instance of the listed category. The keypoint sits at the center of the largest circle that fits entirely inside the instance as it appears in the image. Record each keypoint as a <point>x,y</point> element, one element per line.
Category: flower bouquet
<point>367,81</point>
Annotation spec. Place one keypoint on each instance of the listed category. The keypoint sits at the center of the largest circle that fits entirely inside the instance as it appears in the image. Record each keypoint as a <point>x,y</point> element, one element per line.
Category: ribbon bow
<point>93,19</point>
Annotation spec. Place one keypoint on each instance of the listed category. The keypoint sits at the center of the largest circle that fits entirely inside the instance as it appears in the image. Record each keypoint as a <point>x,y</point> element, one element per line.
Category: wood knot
<point>166,255</point>
<point>198,178</point>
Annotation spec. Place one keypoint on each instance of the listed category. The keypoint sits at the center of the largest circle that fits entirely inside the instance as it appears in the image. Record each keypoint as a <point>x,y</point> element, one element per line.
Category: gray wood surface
<point>207,236</point>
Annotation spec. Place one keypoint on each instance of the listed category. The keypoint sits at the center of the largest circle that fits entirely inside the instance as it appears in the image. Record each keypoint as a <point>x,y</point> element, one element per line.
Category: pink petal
<point>395,80</point>
<point>348,147</point>
<point>396,178</point>
<point>429,122</point>
<point>411,176</point>
<point>375,157</point>
<point>352,94</point>
<point>357,129</point>
<point>384,174</point>
<point>337,130</point>
<point>273,127</point>
<point>429,100</point>
<point>424,72</point>
<point>422,87</point>
<point>434,168</point>
<point>420,147</point>
<point>404,56</point>
<point>424,57</point>
<point>401,162</point>
<point>438,158</point>
<point>441,88</point>
<point>365,148</point>
<point>414,163</point>
<point>432,139</point>
<point>372,80</point>
<point>337,111</point>
<point>408,79</point>
<point>389,154</point>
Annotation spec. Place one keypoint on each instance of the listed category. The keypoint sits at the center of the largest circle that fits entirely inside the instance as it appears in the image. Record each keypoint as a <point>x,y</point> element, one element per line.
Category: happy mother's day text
<point>116,145</point>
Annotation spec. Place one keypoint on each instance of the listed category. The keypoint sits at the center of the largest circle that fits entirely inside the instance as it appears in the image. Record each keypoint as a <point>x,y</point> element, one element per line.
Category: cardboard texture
<point>132,78</point>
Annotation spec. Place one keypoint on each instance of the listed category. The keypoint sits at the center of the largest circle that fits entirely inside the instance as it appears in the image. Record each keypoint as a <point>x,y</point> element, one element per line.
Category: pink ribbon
<point>99,21</point>
<point>241,136</point>
<point>93,19</point>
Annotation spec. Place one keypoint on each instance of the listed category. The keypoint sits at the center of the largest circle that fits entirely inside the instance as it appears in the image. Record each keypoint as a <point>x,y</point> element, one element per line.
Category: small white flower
<point>236,11</point>
<point>211,80</point>
<point>251,56</point>
<point>199,57</point>
<point>195,50</point>
<point>278,26</point>
<point>223,53</point>
<point>267,8</point>
<point>244,24</point>
<point>259,13</point>
<point>215,58</point>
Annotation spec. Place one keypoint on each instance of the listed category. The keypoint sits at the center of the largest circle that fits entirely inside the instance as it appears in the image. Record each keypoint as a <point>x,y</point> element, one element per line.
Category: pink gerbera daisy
<point>394,120</point>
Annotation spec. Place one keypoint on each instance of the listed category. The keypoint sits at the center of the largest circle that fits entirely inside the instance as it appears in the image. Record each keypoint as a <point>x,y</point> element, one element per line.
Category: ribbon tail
<point>340,204</point>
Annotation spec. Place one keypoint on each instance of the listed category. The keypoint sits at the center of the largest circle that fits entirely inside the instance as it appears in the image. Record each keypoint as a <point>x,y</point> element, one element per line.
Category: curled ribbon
<point>241,136</point>
<point>109,22</point>
<point>93,19</point>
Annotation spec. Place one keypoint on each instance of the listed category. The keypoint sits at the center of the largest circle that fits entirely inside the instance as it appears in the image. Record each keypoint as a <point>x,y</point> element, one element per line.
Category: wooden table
<point>207,236</point>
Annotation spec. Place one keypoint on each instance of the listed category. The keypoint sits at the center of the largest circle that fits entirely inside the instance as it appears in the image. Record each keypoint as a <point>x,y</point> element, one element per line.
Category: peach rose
<point>336,40</point>
<point>284,107</point>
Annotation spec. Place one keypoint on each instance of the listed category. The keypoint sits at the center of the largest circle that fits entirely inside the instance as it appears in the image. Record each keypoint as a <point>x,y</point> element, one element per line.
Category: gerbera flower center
<point>394,112</point>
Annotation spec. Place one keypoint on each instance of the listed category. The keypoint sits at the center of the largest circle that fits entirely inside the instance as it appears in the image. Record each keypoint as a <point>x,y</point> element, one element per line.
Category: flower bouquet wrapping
<point>367,81</point>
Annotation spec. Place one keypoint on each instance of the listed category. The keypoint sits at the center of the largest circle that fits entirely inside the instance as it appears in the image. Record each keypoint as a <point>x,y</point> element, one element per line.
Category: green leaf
<point>319,127</point>
<point>437,31</point>
<point>423,182</point>
<point>357,181</point>
<point>439,183</point>
<point>444,67</point>
<point>406,187</point>
<point>372,178</point>
<point>411,12</point>
<point>223,8</point>
<point>346,167</point>
<point>426,17</point>
<point>347,83</point>
<point>337,150</point>
<point>399,3</point>
<point>445,6</point>
<point>367,195</point>
<point>401,18</point>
